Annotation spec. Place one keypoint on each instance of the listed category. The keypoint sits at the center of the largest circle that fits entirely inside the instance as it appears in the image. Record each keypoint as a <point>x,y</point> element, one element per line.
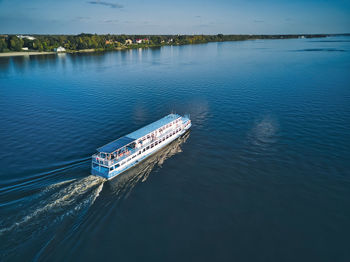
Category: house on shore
<point>24,48</point>
<point>128,42</point>
<point>59,49</point>
<point>26,37</point>
<point>140,41</point>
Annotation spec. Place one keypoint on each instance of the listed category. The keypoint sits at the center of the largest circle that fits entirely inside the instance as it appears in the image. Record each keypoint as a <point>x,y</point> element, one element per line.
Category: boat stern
<point>98,170</point>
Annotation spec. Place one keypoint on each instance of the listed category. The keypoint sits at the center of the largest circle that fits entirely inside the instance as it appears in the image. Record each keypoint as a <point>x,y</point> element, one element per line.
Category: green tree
<point>16,44</point>
<point>45,46</point>
<point>37,45</point>
<point>3,45</point>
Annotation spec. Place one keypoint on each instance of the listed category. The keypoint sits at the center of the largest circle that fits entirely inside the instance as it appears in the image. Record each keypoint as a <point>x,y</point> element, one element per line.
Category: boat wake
<point>52,214</point>
<point>124,184</point>
<point>42,176</point>
<point>49,207</point>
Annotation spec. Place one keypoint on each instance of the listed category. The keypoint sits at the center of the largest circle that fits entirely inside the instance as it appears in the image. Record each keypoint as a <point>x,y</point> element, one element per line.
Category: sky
<point>174,16</point>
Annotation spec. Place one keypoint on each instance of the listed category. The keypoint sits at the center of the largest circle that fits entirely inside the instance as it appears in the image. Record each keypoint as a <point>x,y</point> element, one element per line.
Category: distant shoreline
<point>110,43</point>
<point>19,53</point>
<point>30,53</point>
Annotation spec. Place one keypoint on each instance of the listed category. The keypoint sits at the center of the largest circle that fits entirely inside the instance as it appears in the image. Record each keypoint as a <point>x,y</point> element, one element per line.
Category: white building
<point>24,48</point>
<point>26,37</point>
<point>60,49</point>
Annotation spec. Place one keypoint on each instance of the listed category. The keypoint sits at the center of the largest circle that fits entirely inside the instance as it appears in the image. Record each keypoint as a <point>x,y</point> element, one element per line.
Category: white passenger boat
<point>125,152</point>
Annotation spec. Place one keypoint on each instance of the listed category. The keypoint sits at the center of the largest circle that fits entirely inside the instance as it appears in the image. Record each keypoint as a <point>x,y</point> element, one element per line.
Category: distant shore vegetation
<point>76,43</point>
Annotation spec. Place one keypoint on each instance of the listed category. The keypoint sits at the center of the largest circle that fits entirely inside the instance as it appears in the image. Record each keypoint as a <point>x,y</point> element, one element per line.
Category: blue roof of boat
<point>153,126</point>
<point>123,141</point>
<point>116,144</point>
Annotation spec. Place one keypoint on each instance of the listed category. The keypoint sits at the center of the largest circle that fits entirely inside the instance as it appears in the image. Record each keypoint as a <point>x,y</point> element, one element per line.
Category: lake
<point>263,175</point>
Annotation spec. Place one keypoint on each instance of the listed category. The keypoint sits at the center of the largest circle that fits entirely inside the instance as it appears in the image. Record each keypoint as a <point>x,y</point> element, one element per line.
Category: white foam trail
<point>86,202</point>
<point>63,198</point>
<point>49,188</point>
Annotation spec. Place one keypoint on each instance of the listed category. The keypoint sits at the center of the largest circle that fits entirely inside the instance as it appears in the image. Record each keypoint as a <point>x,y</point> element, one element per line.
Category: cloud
<point>109,21</point>
<point>81,18</point>
<point>108,4</point>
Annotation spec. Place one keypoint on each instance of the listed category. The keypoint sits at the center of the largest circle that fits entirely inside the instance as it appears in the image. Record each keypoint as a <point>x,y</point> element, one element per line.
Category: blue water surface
<point>263,174</point>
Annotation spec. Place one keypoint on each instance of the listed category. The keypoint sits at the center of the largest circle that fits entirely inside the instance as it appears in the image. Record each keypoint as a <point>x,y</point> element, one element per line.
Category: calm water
<point>262,176</point>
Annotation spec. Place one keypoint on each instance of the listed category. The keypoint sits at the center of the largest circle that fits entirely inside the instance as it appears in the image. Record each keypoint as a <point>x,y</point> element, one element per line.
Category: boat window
<point>140,152</point>
<point>163,138</point>
<point>152,146</point>
<point>144,150</point>
<point>111,168</point>
<point>117,165</point>
<point>147,148</point>
<point>156,143</point>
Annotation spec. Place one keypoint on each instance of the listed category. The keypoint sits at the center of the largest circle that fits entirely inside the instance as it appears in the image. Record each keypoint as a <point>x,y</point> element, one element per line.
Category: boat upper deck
<point>153,126</point>
<point>128,139</point>
<point>116,144</point>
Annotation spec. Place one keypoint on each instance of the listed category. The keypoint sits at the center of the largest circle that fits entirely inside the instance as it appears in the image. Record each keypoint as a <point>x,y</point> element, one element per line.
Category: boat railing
<point>107,163</point>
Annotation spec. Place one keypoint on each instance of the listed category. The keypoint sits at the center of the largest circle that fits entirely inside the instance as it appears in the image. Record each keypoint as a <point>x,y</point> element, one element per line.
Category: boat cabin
<point>128,145</point>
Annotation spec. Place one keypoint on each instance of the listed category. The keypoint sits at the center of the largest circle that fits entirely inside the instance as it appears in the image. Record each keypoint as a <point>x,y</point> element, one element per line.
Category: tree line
<point>110,42</point>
